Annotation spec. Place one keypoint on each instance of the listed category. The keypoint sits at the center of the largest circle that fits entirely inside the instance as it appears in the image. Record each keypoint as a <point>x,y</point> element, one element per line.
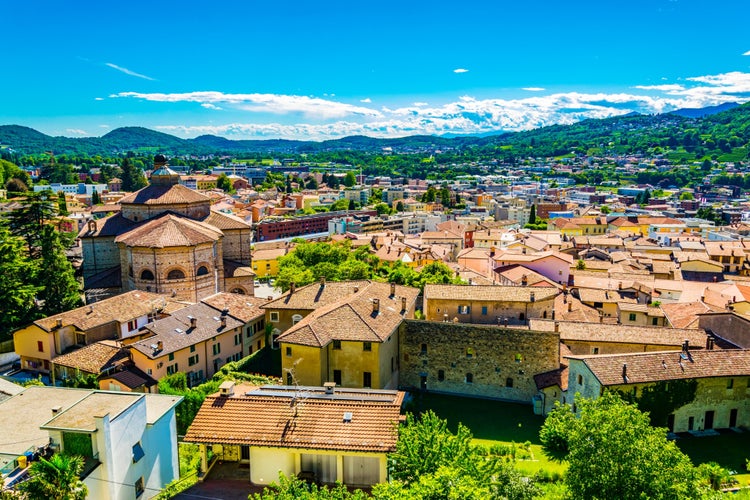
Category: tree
<point>62,204</point>
<point>615,453</point>
<point>350,179</point>
<point>532,214</point>
<point>56,479</point>
<point>96,199</point>
<point>17,292</point>
<point>60,290</point>
<point>288,184</point>
<point>225,184</point>
<point>27,221</point>
<point>340,204</point>
<point>581,265</point>
<point>132,177</point>
<point>399,206</point>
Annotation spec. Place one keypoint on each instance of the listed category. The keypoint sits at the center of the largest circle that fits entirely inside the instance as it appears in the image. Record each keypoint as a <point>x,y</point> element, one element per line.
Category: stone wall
<point>475,360</point>
<point>729,326</point>
<point>236,245</point>
<point>99,254</point>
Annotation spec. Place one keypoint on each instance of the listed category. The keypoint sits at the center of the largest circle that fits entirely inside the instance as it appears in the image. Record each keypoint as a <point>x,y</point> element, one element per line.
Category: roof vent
<point>322,281</point>
<point>403,304</point>
<point>393,289</point>
<point>193,321</point>
<point>329,387</point>
<point>532,297</point>
<point>375,306</point>
<point>58,323</point>
<point>56,410</point>
<point>347,416</point>
<point>292,287</point>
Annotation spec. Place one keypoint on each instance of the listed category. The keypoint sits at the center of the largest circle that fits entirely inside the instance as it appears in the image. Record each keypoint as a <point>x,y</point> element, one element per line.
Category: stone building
<point>166,239</point>
<point>474,360</point>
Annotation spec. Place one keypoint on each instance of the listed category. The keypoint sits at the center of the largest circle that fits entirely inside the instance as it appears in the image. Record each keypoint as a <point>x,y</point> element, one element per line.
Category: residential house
<point>352,341</point>
<point>323,434</point>
<point>551,264</point>
<point>640,315</point>
<point>128,441</point>
<point>488,305</point>
<point>249,311</point>
<point>118,317</point>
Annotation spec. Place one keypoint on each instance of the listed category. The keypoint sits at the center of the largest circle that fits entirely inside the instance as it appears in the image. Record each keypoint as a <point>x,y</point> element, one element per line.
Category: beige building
<point>166,239</point>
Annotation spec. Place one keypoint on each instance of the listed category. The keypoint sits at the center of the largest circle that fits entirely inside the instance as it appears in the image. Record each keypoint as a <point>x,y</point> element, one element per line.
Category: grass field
<point>728,450</point>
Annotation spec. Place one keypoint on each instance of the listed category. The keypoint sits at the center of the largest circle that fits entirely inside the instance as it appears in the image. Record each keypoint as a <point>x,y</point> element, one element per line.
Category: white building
<point>128,440</point>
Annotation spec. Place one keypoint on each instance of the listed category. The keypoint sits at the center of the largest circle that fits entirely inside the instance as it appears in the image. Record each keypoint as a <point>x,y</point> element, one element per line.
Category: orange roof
<point>301,417</point>
<point>169,230</point>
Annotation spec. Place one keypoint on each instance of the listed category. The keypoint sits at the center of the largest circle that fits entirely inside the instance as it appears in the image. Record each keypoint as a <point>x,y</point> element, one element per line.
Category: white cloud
<point>311,107</point>
<point>208,105</point>
<point>76,131</point>
<point>104,126</point>
<point>534,89</point>
<point>366,100</point>
<point>746,53</point>
<point>661,88</point>
<point>128,72</point>
<point>460,70</point>
<point>98,98</point>
<point>465,114</point>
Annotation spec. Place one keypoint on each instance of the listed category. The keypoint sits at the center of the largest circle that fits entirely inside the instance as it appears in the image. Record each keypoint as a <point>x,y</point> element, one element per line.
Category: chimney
<point>292,287</point>
<point>601,318</point>
<point>686,345</point>
<point>56,409</point>
<point>711,345</point>
<point>625,372</point>
<point>708,342</point>
<point>393,289</point>
<point>193,322</point>
<point>375,306</point>
<point>557,327</point>
<point>226,389</point>
<point>322,281</point>
<point>403,304</point>
<point>524,280</point>
<point>330,387</point>
<point>619,285</point>
<point>58,323</point>
<point>570,306</point>
<point>159,345</point>
<point>223,320</point>
<point>532,297</point>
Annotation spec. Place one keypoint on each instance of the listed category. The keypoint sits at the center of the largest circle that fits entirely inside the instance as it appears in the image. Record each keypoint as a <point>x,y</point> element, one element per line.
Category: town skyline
<point>250,71</point>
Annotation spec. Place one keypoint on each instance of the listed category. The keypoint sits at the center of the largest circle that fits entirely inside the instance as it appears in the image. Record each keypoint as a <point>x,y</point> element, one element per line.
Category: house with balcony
<point>128,441</point>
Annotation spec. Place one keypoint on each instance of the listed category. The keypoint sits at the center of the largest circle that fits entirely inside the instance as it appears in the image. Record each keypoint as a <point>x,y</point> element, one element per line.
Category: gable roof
<point>489,293</point>
<point>94,358</point>
<point>315,295</point>
<point>668,365</point>
<point>301,417</point>
<point>243,307</point>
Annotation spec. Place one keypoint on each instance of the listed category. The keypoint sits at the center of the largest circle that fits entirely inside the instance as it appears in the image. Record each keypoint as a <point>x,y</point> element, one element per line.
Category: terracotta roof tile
<point>243,307</point>
<point>596,332</point>
<point>301,418</point>
<point>94,358</point>
<point>156,194</point>
<point>169,230</point>
<point>495,292</point>
<point>315,295</point>
<point>669,365</point>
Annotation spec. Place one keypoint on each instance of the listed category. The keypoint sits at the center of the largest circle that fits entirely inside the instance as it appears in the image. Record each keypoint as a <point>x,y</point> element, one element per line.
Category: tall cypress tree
<point>532,215</point>
<point>60,290</point>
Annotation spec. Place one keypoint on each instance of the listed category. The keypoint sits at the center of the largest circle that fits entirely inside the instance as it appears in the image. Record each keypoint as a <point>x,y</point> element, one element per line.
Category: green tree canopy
<point>17,289</point>
<point>56,479</point>
<point>613,452</point>
<point>60,291</point>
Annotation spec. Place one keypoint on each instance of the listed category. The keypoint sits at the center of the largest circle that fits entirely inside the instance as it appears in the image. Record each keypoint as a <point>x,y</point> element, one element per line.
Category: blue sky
<point>326,69</point>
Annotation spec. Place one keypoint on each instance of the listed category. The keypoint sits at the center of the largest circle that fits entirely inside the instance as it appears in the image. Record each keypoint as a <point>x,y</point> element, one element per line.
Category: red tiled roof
<point>156,194</point>
<point>306,418</point>
<point>169,230</point>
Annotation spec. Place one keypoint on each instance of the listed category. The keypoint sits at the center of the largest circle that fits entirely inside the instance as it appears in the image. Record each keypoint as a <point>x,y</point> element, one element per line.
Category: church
<point>166,239</point>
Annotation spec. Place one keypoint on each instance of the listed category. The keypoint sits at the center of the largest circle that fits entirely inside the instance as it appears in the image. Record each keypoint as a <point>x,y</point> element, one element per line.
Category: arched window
<point>469,378</point>
<point>147,275</point>
<point>296,319</point>
<point>202,271</point>
<point>238,291</point>
<point>175,274</point>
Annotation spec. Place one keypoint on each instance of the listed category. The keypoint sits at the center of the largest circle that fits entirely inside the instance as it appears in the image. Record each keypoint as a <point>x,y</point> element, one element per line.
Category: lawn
<point>492,422</point>
<point>729,450</point>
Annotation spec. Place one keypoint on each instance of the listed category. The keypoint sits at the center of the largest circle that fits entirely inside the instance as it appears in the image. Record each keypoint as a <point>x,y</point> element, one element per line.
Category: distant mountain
<point>140,137</point>
<point>702,112</point>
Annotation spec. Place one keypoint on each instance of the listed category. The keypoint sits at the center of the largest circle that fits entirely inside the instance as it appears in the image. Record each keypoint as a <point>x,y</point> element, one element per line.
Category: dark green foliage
<point>661,399</point>
<point>555,433</point>
<point>292,488</point>
<point>56,479</point>
<point>133,178</point>
<point>350,179</point>
<point>60,291</point>
<point>62,204</point>
<point>225,184</point>
<point>27,221</point>
<point>17,287</point>
<point>532,215</point>
<point>90,381</point>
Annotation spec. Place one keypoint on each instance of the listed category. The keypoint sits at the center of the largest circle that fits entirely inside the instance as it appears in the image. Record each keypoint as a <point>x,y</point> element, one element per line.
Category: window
<point>132,325</point>
<point>580,379</point>
<point>631,317</point>
<point>508,382</point>
<point>441,375</point>
<point>289,351</point>
<point>337,345</point>
<point>469,352</point>
<point>147,275</point>
<point>518,357</point>
<point>192,348</point>
<point>274,316</point>
<point>484,310</point>
<point>202,271</point>
<point>337,377</point>
<point>655,321</point>
<point>730,383</point>
<point>216,349</point>
<point>80,339</point>
<point>469,378</point>
<point>464,309</point>
<point>296,319</point>
<point>193,360</point>
<point>289,379</point>
<point>423,349</point>
<point>172,369</point>
<point>367,379</point>
<point>40,346</point>
<point>138,452</point>
<point>170,357</point>
<point>139,489</point>
<point>175,274</point>
<point>595,350</point>
<point>367,346</point>
<point>238,339</point>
